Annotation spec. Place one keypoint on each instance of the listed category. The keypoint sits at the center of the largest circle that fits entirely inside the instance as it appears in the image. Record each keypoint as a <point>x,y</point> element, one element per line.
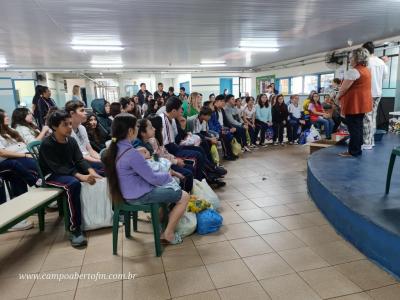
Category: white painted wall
<point>180,78</point>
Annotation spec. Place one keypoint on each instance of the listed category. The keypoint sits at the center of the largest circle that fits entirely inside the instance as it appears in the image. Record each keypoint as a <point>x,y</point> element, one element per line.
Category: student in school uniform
<point>61,159</point>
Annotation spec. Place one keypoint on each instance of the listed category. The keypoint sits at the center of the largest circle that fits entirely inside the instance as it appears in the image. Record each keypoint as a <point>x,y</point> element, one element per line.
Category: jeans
<point>355,126</point>
<point>188,153</point>
<point>19,172</point>
<point>73,188</point>
<point>292,129</point>
<point>260,125</point>
<point>252,133</point>
<point>328,126</point>
<point>240,135</point>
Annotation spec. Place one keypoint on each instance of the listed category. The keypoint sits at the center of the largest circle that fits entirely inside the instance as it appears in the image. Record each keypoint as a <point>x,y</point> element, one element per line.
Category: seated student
<point>97,136</point>
<point>101,108</point>
<point>306,112</point>
<point>76,109</point>
<point>234,119</point>
<point>132,180</point>
<point>137,110</point>
<point>279,119</point>
<point>219,123</point>
<point>150,137</point>
<point>249,117</point>
<point>126,105</point>
<point>115,109</point>
<point>333,110</point>
<point>193,105</point>
<point>198,125</point>
<point>22,122</point>
<point>319,116</point>
<point>295,120</point>
<point>16,165</point>
<point>170,130</point>
<point>152,108</point>
<point>61,158</point>
<point>263,118</point>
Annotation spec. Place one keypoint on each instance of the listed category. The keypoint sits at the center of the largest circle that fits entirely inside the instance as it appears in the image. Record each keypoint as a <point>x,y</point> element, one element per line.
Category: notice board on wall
<point>262,82</point>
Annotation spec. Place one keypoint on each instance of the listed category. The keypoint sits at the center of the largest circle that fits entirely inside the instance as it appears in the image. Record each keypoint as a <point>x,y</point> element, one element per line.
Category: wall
<point>70,84</point>
<point>180,78</point>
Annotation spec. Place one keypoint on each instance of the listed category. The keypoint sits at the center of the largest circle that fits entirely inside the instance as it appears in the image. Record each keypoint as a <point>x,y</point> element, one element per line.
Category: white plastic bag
<point>202,190</point>
<point>187,224</point>
<point>314,135</point>
<point>96,205</point>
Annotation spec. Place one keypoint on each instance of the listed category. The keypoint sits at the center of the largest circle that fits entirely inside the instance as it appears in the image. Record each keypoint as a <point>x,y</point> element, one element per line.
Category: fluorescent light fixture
<point>212,65</point>
<point>97,47</point>
<point>258,49</point>
<point>2,66</point>
<point>106,62</point>
<point>107,66</point>
<point>212,62</point>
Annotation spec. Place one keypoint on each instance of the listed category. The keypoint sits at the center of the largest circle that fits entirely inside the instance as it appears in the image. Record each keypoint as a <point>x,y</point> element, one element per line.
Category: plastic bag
<point>187,224</point>
<point>161,165</point>
<point>236,147</point>
<point>303,137</point>
<point>197,205</point>
<point>208,221</point>
<point>96,205</point>
<point>214,154</point>
<point>314,135</point>
<point>269,133</point>
<point>202,190</point>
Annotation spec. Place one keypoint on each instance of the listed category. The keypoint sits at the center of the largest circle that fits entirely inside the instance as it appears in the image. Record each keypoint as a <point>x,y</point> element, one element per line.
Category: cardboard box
<point>321,144</point>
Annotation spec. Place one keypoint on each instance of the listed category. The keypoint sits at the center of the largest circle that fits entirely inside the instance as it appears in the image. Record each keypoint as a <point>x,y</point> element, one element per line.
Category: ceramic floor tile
<point>302,259</point>
<point>214,237</point>
<point>316,236</point>
<point>250,291</point>
<point>189,281</point>
<point>150,287</point>
<point>266,226</point>
<point>15,288</point>
<point>104,267</point>
<point>253,214</point>
<point>218,252</point>
<point>391,292</point>
<point>231,217</point>
<point>143,265</point>
<point>102,292</point>
<point>283,241</point>
<point>181,259</point>
<point>329,283</point>
<point>338,252</point>
<point>316,218</point>
<point>358,296</point>
<point>56,260</point>
<point>210,295</point>
<point>278,211</point>
<point>267,265</point>
<point>59,296</point>
<point>237,231</point>
<point>251,246</point>
<point>242,205</point>
<point>365,274</point>
<point>229,273</point>
<point>302,207</point>
<point>294,222</point>
<point>290,287</point>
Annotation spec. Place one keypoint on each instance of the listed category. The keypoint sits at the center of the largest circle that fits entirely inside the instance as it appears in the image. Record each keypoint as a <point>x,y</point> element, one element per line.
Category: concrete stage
<point>350,192</point>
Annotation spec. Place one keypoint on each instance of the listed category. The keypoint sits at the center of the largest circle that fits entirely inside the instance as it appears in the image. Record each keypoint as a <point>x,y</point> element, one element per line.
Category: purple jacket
<point>135,176</point>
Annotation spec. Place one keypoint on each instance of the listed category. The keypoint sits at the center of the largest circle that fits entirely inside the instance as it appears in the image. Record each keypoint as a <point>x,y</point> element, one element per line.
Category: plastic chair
<point>33,149</point>
<point>131,211</point>
<point>395,152</point>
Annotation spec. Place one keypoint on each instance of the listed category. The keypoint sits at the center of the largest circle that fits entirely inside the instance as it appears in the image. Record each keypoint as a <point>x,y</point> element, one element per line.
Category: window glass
<point>310,83</point>
<point>296,85</point>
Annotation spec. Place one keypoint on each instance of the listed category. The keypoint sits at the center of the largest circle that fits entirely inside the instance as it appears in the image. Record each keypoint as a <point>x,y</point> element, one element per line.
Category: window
<point>310,83</point>
<point>296,86</point>
<point>245,86</point>
<point>326,81</point>
<point>284,86</point>
<point>393,72</point>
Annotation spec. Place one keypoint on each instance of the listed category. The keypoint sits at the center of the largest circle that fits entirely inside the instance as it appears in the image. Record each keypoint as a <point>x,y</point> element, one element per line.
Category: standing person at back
<point>379,72</point>
<point>160,93</point>
<point>143,94</point>
<point>44,104</point>
<point>76,92</point>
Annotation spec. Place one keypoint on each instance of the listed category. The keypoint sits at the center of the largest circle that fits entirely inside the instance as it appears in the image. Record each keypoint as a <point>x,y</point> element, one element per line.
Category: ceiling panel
<point>180,33</point>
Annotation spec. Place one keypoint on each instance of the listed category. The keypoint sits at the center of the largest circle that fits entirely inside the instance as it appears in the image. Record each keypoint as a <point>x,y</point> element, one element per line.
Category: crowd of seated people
<point>181,129</point>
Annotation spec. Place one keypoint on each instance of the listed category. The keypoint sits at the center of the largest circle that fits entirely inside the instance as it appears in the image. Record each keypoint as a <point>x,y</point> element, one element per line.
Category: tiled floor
<point>274,245</point>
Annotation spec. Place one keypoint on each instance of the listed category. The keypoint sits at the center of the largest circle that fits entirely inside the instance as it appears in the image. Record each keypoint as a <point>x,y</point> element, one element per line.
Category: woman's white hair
<point>360,56</point>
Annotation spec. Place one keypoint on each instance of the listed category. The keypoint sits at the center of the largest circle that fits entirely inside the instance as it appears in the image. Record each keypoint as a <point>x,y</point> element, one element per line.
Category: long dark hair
<point>5,131</point>
<point>266,104</point>
<point>156,121</point>
<point>119,131</point>
<point>142,128</point>
<point>18,118</point>
<point>93,132</point>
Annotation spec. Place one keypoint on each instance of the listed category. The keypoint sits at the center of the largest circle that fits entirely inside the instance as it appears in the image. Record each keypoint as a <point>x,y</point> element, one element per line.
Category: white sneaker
<point>23,225</point>
<point>276,144</point>
<point>366,147</point>
<point>246,149</point>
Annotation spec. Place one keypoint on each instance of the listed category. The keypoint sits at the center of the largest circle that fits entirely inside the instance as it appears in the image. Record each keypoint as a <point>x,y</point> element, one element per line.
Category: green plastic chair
<point>130,211</point>
<point>33,149</point>
<point>395,152</point>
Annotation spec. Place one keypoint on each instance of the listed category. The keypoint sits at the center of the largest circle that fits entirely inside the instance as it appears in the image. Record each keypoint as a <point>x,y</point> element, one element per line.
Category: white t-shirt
<point>11,145</point>
<point>249,114</point>
<point>379,72</point>
<point>27,134</point>
<point>295,110</point>
<point>220,118</point>
<point>82,139</point>
<point>351,74</point>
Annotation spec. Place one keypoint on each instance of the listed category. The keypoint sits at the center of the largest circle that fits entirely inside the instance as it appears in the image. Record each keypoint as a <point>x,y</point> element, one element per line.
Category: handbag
<point>236,147</point>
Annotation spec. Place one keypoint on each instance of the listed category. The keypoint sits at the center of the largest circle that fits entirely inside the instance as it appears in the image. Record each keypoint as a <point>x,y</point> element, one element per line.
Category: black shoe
<point>78,239</point>
<point>230,158</point>
<point>220,170</point>
<point>216,183</point>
